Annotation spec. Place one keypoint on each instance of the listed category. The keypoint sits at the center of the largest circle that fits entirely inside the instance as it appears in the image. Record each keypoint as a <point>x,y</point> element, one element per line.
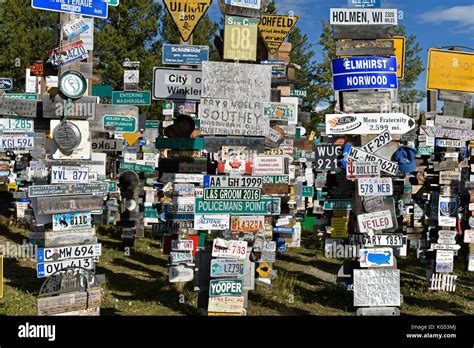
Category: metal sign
<point>16,125</point>
<point>337,204</point>
<point>373,204</point>
<point>72,221</point>
<point>181,256</point>
<point>24,141</point>
<point>240,38</point>
<point>120,123</point>
<point>184,54</point>
<point>364,64</point>
<point>275,29</point>
<point>357,155</point>
<point>458,134</point>
<point>92,8</point>
<point>378,142</point>
<point>395,123</point>
<point>400,48</point>
<point>232,249</point>
<point>359,170</point>
<point>266,206</point>
<point>187,178</point>
<point>218,181</point>
<point>24,96</point>
<point>68,252</point>
<point>254,4</point>
<point>276,179</point>
<point>326,157</point>
<point>214,144</point>
<point>176,84</point>
<point>180,143</point>
<point>375,187</point>
<point>450,143</point>
<point>211,222</point>
<point>379,220</point>
<point>227,267</point>
<point>226,287</point>
<point>131,97</point>
<point>68,54</point>
<point>47,269</point>
<point>180,273</point>
<point>344,16</point>
<point>232,117</point>
<point>18,107</point>
<point>230,194</point>
<point>268,165</point>
<point>387,282</point>
<point>6,83</point>
<point>344,82</point>
<point>186,14</point>
<point>376,257</point>
<point>364,3</point>
<point>75,28</point>
<point>281,112</point>
<point>447,211</point>
<point>453,122</point>
<point>67,175</point>
<point>53,205</point>
<point>450,70</point>
<point>106,145</point>
<point>248,224</point>
<point>392,240</point>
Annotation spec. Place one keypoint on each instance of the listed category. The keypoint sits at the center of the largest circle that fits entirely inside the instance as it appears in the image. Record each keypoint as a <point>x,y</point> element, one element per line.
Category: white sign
<point>376,287</point>
<point>453,122</point>
<point>182,245</point>
<point>376,257</point>
<point>449,177</point>
<point>393,240</point>
<point>75,27</point>
<point>185,178</point>
<point>378,142</point>
<point>450,143</point>
<point>469,236</point>
<point>255,4</point>
<point>395,123</point>
<point>215,181</point>
<point>445,247</point>
<point>180,273</point>
<point>268,165</point>
<point>229,249</point>
<point>17,141</point>
<point>375,187</point>
<point>68,175</point>
<point>352,16</point>
<point>72,221</point>
<point>69,252</point>
<point>379,220</point>
<point>176,84</point>
<point>447,237</point>
<point>386,166</point>
<point>181,256</point>
<point>356,170</point>
<point>444,261</point>
<point>211,222</point>
<point>16,125</point>
<point>47,269</point>
<point>226,304</point>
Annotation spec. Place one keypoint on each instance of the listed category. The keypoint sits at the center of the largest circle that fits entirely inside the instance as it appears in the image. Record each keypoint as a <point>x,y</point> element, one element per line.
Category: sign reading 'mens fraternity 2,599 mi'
<point>186,14</point>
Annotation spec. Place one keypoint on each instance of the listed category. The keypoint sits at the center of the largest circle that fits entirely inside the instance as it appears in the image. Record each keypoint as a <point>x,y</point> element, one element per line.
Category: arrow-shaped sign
<point>395,123</point>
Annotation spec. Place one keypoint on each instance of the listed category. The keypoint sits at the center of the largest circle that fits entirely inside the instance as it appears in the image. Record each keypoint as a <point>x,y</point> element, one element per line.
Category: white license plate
<point>16,125</point>
<point>17,141</point>
<point>69,252</point>
<point>65,175</point>
<point>47,269</point>
<point>72,221</point>
<point>375,186</point>
<point>236,249</point>
<point>74,28</point>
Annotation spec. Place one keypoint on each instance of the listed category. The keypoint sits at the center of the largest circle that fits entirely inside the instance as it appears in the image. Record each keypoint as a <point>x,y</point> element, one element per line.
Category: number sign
<point>327,157</point>
<point>240,38</point>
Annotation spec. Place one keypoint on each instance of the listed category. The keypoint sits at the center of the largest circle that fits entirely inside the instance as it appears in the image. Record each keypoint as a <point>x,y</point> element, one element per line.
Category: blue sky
<point>436,23</point>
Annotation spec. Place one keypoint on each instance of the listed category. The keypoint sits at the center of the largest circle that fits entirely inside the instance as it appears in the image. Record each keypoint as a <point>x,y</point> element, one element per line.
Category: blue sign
<point>6,84</point>
<point>364,3</point>
<point>364,64</point>
<point>346,82</point>
<point>283,230</point>
<point>40,255</point>
<point>92,8</point>
<point>185,54</point>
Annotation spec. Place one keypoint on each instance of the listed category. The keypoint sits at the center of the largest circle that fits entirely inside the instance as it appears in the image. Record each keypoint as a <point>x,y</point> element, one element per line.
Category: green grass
<point>304,285</point>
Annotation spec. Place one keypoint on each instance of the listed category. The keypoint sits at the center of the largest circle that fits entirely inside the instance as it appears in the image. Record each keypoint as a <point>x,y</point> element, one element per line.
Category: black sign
<point>183,165</point>
<point>326,157</point>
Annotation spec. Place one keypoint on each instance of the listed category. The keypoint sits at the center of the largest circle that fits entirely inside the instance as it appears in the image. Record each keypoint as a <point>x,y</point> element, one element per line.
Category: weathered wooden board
<point>58,239</point>
<point>73,301</point>
<point>275,189</point>
<point>17,107</point>
<point>55,106</point>
<point>89,312</point>
<point>363,32</point>
<point>364,101</point>
<point>242,11</point>
<point>453,109</point>
<point>457,97</point>
<point>56,205</point>
<point>365,48</point>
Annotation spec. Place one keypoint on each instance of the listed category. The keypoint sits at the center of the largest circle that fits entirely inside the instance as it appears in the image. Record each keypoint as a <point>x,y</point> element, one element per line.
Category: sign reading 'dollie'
<point>176,84</point>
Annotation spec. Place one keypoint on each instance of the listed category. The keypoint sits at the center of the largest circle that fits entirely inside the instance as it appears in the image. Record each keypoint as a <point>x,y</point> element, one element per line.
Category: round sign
<point>72,84</point>
<point>471,221</point>
<point>67,136</point>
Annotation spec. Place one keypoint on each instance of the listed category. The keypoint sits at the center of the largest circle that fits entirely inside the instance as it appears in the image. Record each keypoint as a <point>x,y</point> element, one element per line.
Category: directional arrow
<point>395,123</point>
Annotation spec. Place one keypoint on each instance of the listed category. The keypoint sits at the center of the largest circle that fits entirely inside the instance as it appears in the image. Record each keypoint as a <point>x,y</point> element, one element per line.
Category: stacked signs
<point>365,179</point>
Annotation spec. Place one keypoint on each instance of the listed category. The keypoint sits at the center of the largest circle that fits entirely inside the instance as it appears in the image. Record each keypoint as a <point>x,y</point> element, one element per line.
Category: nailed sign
<point>232,249</point>
<point>453,122</point>
<point>268,165</point>
<point>240,38</point>
<point>17,107</point>
<point>248,224</point>
<point>343,82</point>
<point>184,54</point>
<point>227,267</point>
<point>176,84</point>
<point>358,155</point>
<point>68,54</point>
<point>379,220</point>
<point>226,287</point>
<point>53,205</point>
<point>266,206</point>
<point>326,156</point>
<point>395,123</point>
<point>343,16</point>
<point>187,14</point>
<point>387,283</point>
<point>375,187</point>
<point>274,30</point>
<point>68,189</point>
<point>356,170</point>
<point>364,64</point>
<point>211,222</point>
<point>281,112</point>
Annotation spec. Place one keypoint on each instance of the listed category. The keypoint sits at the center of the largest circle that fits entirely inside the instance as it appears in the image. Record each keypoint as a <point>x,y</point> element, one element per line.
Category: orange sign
<point>450,70</point>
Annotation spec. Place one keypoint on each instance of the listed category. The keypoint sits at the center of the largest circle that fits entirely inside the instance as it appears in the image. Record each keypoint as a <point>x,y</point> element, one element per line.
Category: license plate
<point>72,221</point>
<point>68,54</point>
<point>181,256</point>
<point>47,269</point>
<point>213,181</point>
<point>392,240</point>
<point>378,142</point>
<point>375,186</point>
<point>17,141</point>
<point>69,252</point>
<point>69,175</point>
<point>248,224</point>
<point>74,28</point>
<point>16,125</point>
<point>225,268</point>
<point>358,155</point>
<point>235,249</point>
<point>231,194</point>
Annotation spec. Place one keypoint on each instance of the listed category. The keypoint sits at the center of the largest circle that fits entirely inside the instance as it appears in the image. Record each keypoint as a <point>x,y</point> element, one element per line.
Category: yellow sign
<point>12,186</point>
<point>274,30</point>
<point>131,138</point>
<point>399,45</point>
<point>186,14</point>
<point>450,70</point>
<point>240,38</point>
<point>339,227</point>
<point>264,270</point>
<point>223,314</point>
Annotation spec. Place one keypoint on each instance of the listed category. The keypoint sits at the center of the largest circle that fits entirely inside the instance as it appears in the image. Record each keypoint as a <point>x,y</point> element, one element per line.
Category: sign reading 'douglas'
<point>395,123</point>
<point>176,84</point>
<point>344,16</point>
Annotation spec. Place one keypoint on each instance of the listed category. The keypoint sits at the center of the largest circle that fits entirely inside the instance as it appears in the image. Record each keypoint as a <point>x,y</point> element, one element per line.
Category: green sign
<point>338,204</point>
<point>102,91</point>
<point>139,168</point>
<point>226,287</point>
<point>321,195</point>
<point>120,123</point>
<point>113,2</point>
<point>180,143</point>
<point>425,150</point>
<point>298,93</point>
<point>276,179</point>
<point>266,206</point>
<point>131,98</point>
<point>28,96</point>
<point>150,212</point>
<point>230,194</point>
<point>308,191</point>
<point>152,124</point>
<point>112,186</point>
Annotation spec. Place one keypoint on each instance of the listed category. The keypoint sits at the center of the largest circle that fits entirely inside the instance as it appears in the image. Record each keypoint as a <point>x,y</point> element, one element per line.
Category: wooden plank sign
<point>54,106</point>
<point>69,302</point>
<point>17,107</point>
<point>274,30</point>
<point>186,15</point>
<point>62,238</point>
<point>453,122</point>
<point>364,101</point>
<point>53,205</point>
<point>363,32</point>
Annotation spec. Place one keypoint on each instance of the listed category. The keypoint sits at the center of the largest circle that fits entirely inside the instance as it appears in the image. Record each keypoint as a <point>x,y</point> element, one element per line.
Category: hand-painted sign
<point>373,204</point>
<point>68,54</point>
<point>364,64</point>
<point>359,170</point>
<point>387,283</point>
<point>131,98</point>
<point>377,257</point>
<point>375,187</point>
<point>184,54</point>
<point>344,82</point>
<point>274,30</point>
<point>227,267</point>
<point>72,221</point>
<point>344,16</point>
<point>266,206</point>
<point>176,84</point>
<point>226,287</point>
<point>226,304</point>
<point>49,268</point>
<point>247,224</point>
<point>53,205</point>
<point>379,220</point>
<point>327,156</point>
<point>68,252</point>
<point>450,70</point>
<point>211,222</point>
<point>92,8</point>
<point>240,38</point>
<point>187,14</point>
<point>233,249</point>
<point>18,107</point>
<point>395,123</point>
<point>453,122</point>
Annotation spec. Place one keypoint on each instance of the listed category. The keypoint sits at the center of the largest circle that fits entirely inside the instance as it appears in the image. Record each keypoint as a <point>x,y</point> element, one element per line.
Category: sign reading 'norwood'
<point>344,82</point>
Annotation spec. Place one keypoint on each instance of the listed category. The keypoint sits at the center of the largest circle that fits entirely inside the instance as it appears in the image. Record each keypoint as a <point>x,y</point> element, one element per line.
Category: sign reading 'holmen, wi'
<point>344,16</point>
